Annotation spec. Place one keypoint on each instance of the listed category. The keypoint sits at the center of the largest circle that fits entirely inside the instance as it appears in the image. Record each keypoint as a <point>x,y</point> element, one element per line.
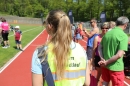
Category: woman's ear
<point>50,27</point>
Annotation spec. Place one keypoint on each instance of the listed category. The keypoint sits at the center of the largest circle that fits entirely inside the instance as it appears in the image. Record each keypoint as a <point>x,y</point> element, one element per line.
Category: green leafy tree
<point>83,10</point>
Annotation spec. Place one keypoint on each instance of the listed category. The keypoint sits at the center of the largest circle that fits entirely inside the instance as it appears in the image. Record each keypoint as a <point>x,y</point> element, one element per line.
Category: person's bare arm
<point>100,51</point>
<point>37,79</point>
<point>114,58</point>
<point>94,31</point>
<point>20,37</point>
<point>0,30</point>
<point>95,43</point>
<point>14,32</point>
<point>87,80</point>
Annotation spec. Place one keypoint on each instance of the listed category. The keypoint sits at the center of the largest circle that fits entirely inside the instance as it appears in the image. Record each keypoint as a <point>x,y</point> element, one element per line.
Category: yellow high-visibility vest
<point>75,70</point>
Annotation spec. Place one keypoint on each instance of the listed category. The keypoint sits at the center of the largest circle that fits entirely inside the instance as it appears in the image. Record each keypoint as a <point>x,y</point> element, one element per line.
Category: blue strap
<point>46,71</point>
<point>47,74</point>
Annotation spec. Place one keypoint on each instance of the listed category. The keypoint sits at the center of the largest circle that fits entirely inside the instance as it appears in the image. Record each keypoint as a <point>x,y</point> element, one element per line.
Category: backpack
<point>46,69</point>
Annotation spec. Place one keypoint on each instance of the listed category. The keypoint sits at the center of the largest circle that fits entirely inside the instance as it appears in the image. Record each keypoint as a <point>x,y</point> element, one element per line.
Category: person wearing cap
<point>18,37</point>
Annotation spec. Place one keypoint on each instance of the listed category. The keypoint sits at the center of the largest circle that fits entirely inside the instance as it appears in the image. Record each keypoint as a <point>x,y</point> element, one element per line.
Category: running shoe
<point>21,49</point>
<point>5,47</point>
<point>8,45</point>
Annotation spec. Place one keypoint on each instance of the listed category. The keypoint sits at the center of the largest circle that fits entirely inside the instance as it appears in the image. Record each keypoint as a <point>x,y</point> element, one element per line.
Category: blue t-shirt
<point>36,64</point>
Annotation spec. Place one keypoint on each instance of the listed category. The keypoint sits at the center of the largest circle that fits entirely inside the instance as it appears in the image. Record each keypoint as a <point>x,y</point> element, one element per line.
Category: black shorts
<point>89,52</point>
<point>5,36</point>
<point>96,60</point>
<point>17,42</point>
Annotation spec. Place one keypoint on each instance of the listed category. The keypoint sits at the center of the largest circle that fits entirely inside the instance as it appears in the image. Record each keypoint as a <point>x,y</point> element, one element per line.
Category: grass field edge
<point>12,59</point>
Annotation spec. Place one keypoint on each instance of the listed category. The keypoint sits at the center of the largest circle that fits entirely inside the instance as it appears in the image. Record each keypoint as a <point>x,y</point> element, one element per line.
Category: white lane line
<point>11,60</point>
<point>126,83</point>
<point>84,40</point>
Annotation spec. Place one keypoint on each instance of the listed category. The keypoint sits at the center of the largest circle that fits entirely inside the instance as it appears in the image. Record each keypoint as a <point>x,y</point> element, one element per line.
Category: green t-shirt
<point>113,41</point>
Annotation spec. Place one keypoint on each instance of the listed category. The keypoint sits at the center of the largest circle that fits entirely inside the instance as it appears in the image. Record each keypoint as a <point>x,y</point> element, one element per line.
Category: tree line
<point>83,10</point>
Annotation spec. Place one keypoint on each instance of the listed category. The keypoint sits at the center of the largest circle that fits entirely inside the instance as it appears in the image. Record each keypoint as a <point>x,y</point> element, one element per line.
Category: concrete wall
<point>23,20</point>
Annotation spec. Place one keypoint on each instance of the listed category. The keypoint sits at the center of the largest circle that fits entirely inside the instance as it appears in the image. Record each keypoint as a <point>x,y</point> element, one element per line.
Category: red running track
<point>18,73</point>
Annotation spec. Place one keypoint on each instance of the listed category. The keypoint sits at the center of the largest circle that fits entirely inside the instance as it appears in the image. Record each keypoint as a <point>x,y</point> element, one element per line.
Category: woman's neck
<point>102,34</point>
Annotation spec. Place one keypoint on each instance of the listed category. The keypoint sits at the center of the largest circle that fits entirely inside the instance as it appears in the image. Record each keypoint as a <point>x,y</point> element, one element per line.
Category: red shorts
<point>117,77</point>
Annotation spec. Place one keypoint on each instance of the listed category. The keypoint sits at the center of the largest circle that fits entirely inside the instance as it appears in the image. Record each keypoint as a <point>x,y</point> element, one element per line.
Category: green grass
<point>3,14</point>
<point>28,36</point>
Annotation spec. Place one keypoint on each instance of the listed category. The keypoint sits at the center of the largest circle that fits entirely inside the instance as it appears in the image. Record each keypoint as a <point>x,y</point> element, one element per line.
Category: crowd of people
<point>62,61</point>
<point>5,29</point>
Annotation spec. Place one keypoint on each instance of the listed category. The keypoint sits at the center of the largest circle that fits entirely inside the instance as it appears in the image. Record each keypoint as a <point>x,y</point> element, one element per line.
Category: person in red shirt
<point>77,34</point>
<point>18,37</point>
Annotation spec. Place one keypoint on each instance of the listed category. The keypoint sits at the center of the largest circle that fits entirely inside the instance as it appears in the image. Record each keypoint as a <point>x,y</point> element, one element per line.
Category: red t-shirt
<point>18,33</point>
